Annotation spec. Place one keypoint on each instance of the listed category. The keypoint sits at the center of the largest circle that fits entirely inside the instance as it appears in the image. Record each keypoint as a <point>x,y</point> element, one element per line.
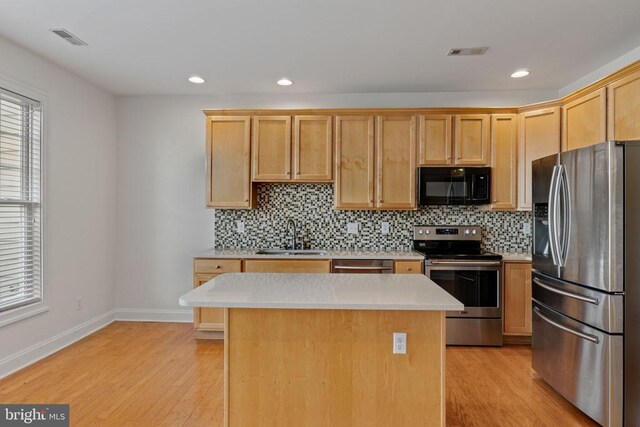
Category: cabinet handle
<point>448,157</point>
<point>458,157</point>
<point>495,201</point>
<point>218,267</point>
<point>408,268</point>
<point>246,200</point>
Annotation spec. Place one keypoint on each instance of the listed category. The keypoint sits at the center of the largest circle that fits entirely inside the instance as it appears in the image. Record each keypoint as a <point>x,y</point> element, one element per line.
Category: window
<point>20,204</point>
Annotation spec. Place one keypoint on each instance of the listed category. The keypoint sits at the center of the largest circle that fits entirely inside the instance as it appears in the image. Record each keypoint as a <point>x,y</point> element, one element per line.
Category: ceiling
<point>144,47</point>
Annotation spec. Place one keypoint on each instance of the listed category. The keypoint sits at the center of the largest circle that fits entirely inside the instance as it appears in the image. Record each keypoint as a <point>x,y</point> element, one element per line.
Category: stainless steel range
<point>454,259</point>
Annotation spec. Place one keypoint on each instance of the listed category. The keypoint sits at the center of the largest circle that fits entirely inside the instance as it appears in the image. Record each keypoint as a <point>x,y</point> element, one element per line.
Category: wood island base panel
<point>333,368</point>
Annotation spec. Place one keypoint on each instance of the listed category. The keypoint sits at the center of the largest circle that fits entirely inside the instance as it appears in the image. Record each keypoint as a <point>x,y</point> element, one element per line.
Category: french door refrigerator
<point>586,278</point>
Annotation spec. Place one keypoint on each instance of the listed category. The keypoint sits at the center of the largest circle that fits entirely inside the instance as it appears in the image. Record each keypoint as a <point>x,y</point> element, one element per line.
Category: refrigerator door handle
<point>563,185</point>
<point>579,334</point>
<point>550,288</point>
<point>551,207</point>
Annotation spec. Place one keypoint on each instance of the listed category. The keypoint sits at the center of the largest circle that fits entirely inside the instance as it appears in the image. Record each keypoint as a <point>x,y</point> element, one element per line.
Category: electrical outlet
<point>526,228</point>
<point>384,228</point>
<point>79,303</point>
<point>399,343</point>
<point>240,226</point>
<point>352,228</point>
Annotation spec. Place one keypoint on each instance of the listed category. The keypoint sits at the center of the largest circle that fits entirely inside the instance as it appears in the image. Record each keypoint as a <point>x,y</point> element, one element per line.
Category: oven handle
<point>540,283</point>
<point>587,337</point>
<point>463,263</point>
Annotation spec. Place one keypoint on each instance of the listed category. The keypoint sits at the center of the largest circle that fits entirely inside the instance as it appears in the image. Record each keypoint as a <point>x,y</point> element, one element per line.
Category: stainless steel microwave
<point>454,186</point>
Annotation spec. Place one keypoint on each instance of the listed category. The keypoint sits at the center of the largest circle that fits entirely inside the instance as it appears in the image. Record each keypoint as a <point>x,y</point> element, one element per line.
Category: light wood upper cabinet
<point>271,148</point>
<point>435,140</point>
<point>312,148</point>
<point>396,162</point>
<point>228,160</point>
<point>354,160</point>
<point>504,166</point>
<point>584,121</point>
<point>623,112</point>
<point>517,298</point>
<point>471,140</point>
<point>539,136</point>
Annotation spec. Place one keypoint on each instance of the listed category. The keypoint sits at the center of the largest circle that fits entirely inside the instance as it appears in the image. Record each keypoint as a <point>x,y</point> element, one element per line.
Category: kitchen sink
<point>292,252</point>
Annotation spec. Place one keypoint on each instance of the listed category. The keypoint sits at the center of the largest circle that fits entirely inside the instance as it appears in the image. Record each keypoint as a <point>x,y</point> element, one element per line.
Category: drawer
<point>217,266</point>
<point>288,266</point>
<point>407,267</point>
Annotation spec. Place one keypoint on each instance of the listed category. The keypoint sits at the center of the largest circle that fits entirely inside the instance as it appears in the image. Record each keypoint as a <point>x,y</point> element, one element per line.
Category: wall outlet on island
<point>352,228</point>
<point>526,228</point>
<point>399,343</point>
<point>384,227</point>
<point>240,226</point>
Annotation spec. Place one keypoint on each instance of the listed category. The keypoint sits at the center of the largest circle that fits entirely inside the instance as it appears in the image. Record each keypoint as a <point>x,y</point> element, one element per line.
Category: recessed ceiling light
<point>284,82</point>
<point>196,79</point>
<point>520,73</point>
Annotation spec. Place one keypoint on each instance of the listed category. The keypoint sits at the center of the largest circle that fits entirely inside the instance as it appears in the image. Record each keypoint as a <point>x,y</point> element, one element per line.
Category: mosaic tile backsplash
<point>321,226</point>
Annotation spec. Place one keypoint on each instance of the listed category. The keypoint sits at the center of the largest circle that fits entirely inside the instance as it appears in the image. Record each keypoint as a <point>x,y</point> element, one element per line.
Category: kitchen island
<point>317,349</point>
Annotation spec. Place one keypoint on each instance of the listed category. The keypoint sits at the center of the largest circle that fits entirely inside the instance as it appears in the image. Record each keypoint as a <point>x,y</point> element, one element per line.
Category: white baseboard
<point>153,315</point>
<point>32,354</point>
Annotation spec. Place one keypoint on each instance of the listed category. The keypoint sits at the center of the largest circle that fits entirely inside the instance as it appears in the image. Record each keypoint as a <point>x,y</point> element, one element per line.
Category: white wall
<point>162,220</point>
<point>609,68</point>
<point>79,190</point>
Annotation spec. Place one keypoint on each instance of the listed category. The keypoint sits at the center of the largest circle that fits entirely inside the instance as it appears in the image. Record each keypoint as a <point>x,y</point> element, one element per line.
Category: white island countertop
<point>322,291</point>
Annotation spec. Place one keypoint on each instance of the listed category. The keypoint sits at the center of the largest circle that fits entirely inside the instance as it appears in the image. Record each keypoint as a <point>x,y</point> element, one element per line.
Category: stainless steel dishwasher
<point>362,266</point>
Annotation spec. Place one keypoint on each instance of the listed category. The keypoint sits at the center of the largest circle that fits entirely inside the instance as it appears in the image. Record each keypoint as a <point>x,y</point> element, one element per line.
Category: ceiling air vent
<point>69,37</point>
<point>468,51</point>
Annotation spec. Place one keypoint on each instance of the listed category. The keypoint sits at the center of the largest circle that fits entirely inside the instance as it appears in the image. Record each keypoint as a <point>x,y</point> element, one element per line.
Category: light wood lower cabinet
<point>407,267</point>
<point>517,298</point>
<point>209,322</point>
<point>287,266</point>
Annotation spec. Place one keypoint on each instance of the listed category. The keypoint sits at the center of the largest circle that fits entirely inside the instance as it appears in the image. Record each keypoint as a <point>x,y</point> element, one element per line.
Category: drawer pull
<point>594,301</point>
<point>408,268</point>
<point>218,267</point>
<point>588,337</point>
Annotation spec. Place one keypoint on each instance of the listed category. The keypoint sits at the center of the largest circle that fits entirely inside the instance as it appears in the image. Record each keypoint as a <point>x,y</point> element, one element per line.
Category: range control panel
<point>447,232</point>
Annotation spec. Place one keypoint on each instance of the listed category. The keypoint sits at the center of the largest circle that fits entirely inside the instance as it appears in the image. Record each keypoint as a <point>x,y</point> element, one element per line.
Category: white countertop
<point>322,291</point>
<point>251,253</point>
<point>516,256</point>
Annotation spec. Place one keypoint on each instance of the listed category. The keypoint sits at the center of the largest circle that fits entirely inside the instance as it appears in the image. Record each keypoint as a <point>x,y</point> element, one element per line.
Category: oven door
<point>476,285</point>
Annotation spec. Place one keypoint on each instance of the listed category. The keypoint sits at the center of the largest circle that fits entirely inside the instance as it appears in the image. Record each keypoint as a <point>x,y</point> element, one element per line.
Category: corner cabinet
<point>517,298</point>
<point>584,121</point>
<point>623,110</point>
<point>228,159</point>
<point>539,136</point>
<point>375,162</point>
<point>504,146</point>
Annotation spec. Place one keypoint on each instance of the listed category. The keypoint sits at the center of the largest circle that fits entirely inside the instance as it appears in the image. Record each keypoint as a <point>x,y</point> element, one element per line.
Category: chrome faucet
<point>292,223</point>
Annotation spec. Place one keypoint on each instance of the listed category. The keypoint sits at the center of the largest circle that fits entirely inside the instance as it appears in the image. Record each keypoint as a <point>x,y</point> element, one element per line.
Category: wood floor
<point>152,374</point>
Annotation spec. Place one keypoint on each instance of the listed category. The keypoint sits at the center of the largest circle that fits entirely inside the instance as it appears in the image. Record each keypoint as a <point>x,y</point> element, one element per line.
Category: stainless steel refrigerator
<point>586,278</point>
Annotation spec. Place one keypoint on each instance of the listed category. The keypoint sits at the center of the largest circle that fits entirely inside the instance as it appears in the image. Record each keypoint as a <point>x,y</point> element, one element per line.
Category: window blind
<point>20,204</point>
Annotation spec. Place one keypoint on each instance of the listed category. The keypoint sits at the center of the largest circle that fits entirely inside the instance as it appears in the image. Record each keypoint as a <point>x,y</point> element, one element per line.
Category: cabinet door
<point>396,162</point>
<point>517,298</point>
<point>471,139</point>
<point>407,267</point>
<point>504,146</point>
<point>354,162</point>
<point>435,140</point>
<point>584,121</point>
<point>271,148</point>
<point>287,266</point>
<point>228,159</point>
<point>539,137</point>
<point>207,319</point>
<point>312,148</point>
<point>623,112</point>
